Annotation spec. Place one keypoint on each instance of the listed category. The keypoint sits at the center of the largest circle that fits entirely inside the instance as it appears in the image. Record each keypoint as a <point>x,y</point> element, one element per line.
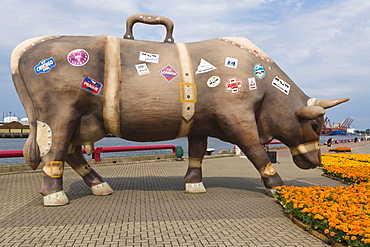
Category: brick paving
<point>149,207</point>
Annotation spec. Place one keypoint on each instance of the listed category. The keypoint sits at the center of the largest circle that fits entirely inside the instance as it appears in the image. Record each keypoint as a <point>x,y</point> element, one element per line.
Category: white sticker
<point>281,85</point>
<point>142,69</point>
<point>252,83</point>
<point>213,81</point>
<point>149,57</point>
<point>204,67</point>
<point>231,62</point>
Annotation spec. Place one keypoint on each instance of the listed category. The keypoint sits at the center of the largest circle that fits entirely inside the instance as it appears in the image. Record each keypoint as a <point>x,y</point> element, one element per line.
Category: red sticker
<point>91,85</point>
<point>168,73</point>
<point>233,85</point>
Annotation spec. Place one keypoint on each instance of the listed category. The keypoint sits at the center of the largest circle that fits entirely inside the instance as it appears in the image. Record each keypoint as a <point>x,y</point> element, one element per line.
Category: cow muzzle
<point>307,155</point>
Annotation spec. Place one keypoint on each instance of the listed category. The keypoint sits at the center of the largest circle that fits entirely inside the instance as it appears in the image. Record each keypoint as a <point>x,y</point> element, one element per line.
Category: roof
<point>13,125</point>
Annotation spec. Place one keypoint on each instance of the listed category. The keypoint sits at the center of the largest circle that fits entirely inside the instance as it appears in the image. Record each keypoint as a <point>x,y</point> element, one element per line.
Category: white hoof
<point>271,192</point>
<point>102,189</point>
<point>56,199</point>
<point>195,188</point>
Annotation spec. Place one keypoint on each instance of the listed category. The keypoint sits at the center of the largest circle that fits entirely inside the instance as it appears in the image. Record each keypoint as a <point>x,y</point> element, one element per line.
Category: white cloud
<point>322,45</point>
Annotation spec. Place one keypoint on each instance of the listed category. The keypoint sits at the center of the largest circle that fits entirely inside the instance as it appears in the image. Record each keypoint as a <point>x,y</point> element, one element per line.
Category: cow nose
<point>308,160</point>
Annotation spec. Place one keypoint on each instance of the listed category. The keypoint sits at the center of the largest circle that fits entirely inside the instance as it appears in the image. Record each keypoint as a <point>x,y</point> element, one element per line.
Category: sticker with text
<point>233,85</point>
<point>168,73</point>
<point>281,85</point>
<point>91,85</point>
<point>204,67</point>
<point>142,69</point>
<point>252,83</point>
<point>213,81</point>
<point>231,62</point>
<point>44,66</point>
<point>259,71</point>
<point>78,57</point>
<point>148,57</point>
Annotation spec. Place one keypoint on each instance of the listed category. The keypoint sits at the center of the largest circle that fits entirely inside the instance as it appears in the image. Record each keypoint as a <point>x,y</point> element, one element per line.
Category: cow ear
<point>310,112</point>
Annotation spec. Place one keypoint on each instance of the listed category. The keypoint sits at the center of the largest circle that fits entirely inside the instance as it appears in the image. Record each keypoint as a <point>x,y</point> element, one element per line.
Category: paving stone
<point>149,208</point>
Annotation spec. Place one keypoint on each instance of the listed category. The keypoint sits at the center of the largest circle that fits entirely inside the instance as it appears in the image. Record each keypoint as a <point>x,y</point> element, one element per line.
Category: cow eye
<point>315,127</point>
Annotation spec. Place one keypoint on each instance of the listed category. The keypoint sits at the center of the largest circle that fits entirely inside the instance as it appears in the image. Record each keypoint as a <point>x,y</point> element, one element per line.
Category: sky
<point>323,46</point>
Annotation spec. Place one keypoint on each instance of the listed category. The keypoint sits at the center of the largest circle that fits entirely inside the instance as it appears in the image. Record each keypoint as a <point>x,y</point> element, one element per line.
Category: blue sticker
<point>45,66</point>
<point>259,71</point>
<point>91,85</point>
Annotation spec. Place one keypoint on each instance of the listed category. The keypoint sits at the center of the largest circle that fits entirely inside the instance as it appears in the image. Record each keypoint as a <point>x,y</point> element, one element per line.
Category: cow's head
<point>306,154</point>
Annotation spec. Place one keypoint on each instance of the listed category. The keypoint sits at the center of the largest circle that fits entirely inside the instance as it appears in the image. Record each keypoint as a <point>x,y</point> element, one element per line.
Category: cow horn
<point>326,103</point>
<point>310,112</point>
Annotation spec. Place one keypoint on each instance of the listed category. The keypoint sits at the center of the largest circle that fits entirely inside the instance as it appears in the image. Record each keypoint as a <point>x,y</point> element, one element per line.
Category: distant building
<point>24,121</point>
<point>11,119</point>
<point>351,131</point>
<point>14,127</point>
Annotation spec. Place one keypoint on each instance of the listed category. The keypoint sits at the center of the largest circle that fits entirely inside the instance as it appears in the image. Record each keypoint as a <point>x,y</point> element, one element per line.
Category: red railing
<point>11,153</point>
<point>98,150</point>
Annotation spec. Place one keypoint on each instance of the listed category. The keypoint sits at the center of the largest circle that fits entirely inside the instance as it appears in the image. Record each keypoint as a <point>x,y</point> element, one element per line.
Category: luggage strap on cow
<point>151,20</point>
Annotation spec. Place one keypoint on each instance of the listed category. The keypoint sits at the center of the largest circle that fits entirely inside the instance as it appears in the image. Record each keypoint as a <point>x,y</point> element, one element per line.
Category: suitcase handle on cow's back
<point>151,20</point>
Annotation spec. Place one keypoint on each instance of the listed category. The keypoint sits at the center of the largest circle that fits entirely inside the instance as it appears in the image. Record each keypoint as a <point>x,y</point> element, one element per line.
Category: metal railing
<point>99,150</point>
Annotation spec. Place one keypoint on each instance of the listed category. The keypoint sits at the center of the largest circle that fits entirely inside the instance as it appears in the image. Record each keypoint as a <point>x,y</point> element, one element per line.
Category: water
<point>18,143</point>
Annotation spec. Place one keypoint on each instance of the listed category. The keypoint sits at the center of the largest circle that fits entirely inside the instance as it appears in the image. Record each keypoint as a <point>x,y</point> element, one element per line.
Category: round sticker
<point>259,71</point>
<point>78,57</point>
<point>213,81</point>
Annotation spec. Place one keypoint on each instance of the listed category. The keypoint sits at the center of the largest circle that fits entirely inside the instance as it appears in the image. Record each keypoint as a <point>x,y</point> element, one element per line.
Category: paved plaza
<point>149,207</point>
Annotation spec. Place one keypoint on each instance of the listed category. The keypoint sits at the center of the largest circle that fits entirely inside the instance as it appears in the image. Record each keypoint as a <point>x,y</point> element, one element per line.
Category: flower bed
<point>340,150</point>
<point>352,168</point>
<point>341,213</point>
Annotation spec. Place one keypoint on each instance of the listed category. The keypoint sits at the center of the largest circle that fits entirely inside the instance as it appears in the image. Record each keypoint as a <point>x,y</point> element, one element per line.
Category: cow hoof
<point>102,189</point>
<point>272,181</point>
<point>56,199</point>
<point>195,188</point>
<point>271,192</point>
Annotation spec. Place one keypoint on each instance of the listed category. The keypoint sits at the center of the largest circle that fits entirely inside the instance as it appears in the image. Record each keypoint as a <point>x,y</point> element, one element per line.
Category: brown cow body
<point>151,107</point>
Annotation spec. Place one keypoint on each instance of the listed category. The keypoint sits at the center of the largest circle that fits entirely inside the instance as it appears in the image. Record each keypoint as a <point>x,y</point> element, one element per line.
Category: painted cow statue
<point>76,90</point>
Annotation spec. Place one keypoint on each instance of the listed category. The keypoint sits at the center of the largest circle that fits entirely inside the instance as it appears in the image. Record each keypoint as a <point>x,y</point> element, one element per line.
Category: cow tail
<point>31,151</point>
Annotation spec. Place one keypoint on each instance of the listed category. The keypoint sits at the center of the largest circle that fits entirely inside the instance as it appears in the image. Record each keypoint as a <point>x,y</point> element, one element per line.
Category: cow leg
<point>259,158</point>
<point>53,144</point>
<point>245,135</point>
<point>97,184</point>
<point>193,177</point>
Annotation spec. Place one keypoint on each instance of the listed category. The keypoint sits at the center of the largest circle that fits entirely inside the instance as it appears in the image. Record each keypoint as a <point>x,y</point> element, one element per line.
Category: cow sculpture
<point>76,90</point>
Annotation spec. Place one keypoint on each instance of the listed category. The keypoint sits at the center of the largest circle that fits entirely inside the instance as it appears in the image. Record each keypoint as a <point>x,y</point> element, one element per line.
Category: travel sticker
<point>252,83</point>
<point>233,85</point>
<point>168,73</point>
<point>91,85</point>
<point>142,69</point>
<point>213,81</point>
<point>231,62</point>
<point>281,85</point>
<point>78,57</point>
<point>259,71</point>
<point>204,67</point>
<point>148,57</point>
<point>44,66</point>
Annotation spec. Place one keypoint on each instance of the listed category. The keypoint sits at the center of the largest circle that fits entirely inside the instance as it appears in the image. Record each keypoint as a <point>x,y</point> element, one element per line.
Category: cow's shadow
<point>78,189</point>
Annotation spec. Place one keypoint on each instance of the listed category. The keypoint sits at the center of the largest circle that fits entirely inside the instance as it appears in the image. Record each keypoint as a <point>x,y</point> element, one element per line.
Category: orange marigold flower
<point>353,238</point>
<point>366,241</point>
<point>318,216</point>
<point>332,234</point>
<point>326,231</point>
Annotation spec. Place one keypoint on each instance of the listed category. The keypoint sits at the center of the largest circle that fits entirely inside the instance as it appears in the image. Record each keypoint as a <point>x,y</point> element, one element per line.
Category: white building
<point>11,119</point>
